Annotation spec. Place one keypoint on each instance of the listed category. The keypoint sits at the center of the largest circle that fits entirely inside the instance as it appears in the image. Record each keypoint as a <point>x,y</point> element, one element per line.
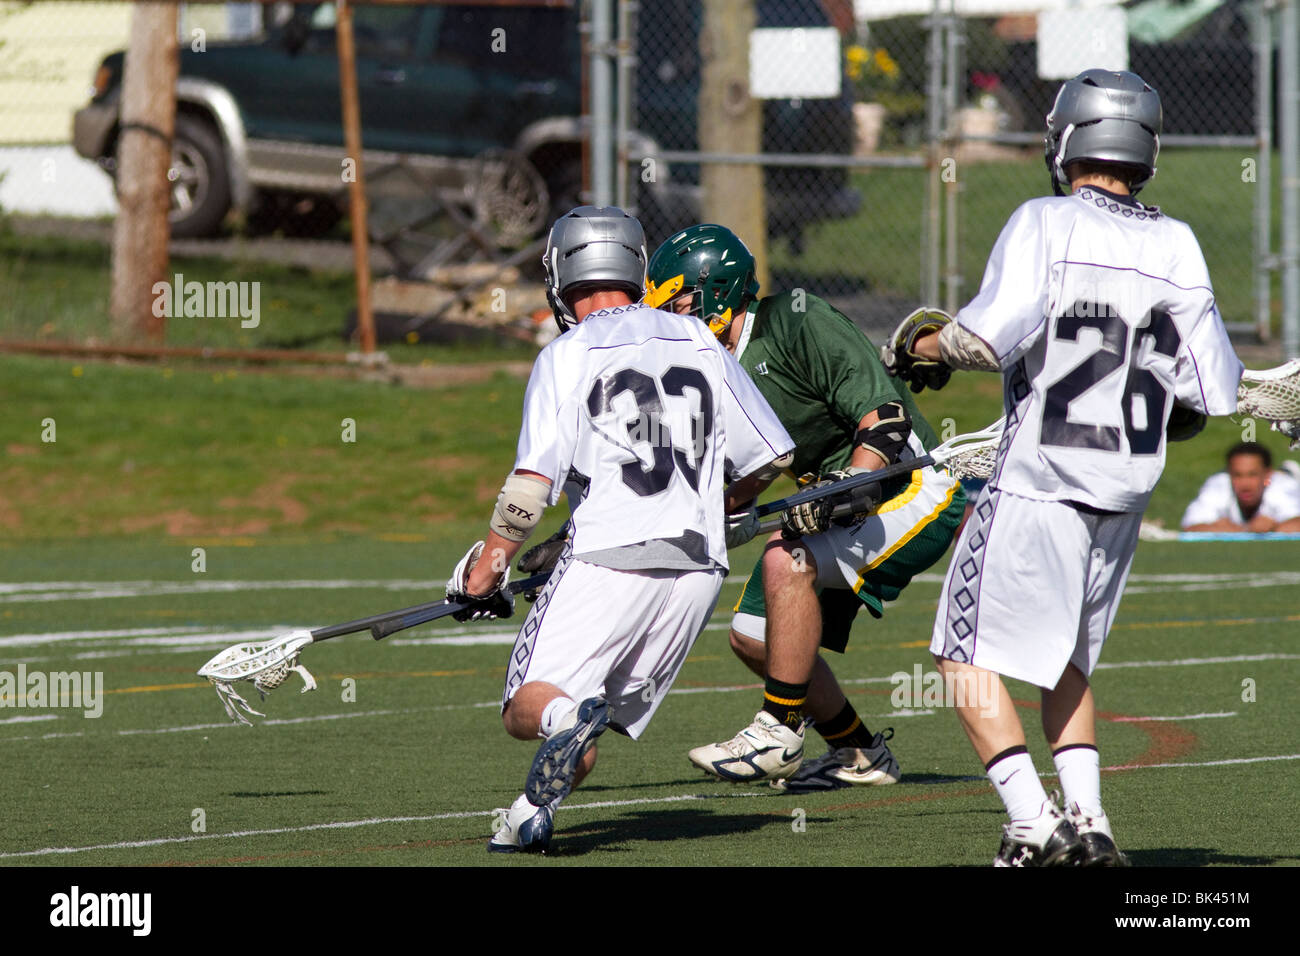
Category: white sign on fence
<point>798,62</point>
<point>1071,41</point>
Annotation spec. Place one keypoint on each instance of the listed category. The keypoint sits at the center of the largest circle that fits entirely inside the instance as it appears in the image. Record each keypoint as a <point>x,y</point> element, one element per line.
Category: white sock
<point>554,714</point>
<point>1079,768</point>
<point>1014,778</point>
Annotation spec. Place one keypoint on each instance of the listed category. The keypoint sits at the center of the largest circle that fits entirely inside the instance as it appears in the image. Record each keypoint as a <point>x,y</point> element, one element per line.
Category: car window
<point>527,41</point>
<point>378,32</point>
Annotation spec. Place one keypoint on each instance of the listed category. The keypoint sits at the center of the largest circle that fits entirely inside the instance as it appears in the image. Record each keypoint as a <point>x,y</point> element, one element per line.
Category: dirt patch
<point>273,495</point>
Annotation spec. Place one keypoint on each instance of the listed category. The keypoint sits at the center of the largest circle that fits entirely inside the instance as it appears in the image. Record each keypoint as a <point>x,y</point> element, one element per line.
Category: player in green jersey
<point>824,379</point>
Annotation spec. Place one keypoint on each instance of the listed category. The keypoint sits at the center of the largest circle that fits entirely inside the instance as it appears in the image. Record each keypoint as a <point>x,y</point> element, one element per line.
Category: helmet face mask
<point>705,271</point>
<point>589,249</point>
<point>1107,118</point>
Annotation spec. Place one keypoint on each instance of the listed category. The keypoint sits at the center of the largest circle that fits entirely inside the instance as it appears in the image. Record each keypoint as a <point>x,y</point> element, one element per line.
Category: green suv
<point>259,124</point>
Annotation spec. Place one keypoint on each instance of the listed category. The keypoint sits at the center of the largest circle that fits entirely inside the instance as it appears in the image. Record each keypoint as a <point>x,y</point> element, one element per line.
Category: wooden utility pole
<point>144,155</point>
<point>731,121</point>
<point>359,212</point>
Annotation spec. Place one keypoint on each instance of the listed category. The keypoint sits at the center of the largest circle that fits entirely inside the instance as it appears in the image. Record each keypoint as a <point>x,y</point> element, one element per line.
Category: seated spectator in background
<point>1249,496</point>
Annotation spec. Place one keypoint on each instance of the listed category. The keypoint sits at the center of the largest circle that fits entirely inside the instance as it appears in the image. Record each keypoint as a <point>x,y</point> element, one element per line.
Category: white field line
<point>272,722</point>
<point>469,814</point>
<point>186,638</point>
<point>139,636</point>
<point>373,821</point>
<point>35,591</point>
<point>25,592</point>
<point>29,720</point>
<point>1141,720</point>
<point>1192,661</point>
<point>719,689</point>
<point>1232,762</point>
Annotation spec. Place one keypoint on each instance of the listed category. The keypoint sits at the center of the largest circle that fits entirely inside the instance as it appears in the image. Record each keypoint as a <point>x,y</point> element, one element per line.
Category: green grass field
<point>881,244</point>
<point>408,768</point>
<point>299,528</point>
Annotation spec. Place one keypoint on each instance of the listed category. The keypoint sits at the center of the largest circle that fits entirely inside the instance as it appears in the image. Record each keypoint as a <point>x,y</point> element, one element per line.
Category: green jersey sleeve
<point>842,364</point>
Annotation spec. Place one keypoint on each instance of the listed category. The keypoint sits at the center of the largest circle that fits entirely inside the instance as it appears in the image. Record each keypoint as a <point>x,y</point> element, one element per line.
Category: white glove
<point>741,528</point>
<point>496,603</point>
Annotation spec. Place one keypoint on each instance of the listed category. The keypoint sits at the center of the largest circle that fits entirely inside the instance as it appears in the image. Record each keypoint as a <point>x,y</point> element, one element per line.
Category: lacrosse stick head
<point>1274,395</point>
<point>973,455</point>
<point>266,665</point>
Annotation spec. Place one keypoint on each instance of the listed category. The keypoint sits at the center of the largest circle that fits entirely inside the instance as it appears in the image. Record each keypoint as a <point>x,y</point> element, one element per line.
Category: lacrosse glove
<point>815,517</point>
<point>741,528</point>
<point>1184,423</point>
<point>900,360</point>
<point>496,603</point>
<point>1291,429</point>
<point>543,557</point>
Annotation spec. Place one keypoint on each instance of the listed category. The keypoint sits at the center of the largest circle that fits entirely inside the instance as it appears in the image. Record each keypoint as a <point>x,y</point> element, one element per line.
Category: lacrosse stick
<point>1274,395</point>
<point>974,458</point>
<point>269,665</point>
<point>968,456</point>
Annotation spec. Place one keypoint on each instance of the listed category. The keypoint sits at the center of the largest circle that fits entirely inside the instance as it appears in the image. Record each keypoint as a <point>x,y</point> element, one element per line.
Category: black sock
<point>785,701</point>
<point>846,729</point>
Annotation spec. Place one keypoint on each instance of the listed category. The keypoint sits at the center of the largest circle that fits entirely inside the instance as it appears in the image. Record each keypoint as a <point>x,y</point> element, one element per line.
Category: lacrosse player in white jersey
<point>1099,314</point>
<point>1248,496</point>
<point>641,417</point>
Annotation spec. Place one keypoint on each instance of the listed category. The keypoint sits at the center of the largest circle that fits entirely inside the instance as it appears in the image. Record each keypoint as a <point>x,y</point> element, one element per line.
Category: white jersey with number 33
<point>645,411</point>
<point>1102,316</point>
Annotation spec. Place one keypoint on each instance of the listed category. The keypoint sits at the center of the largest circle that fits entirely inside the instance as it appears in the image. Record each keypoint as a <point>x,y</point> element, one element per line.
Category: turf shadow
<point>279,793</point>
<point>721,786</point>
<point>1203,856</point>
<point>612,836</point>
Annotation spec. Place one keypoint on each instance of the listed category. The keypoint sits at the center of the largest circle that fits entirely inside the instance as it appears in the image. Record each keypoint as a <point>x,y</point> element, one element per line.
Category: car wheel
<point>200,180</point>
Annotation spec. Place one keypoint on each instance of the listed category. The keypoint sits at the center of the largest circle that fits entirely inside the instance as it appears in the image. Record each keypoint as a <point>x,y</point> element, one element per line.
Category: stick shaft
<point>844,484</point>
<point>389,622</point>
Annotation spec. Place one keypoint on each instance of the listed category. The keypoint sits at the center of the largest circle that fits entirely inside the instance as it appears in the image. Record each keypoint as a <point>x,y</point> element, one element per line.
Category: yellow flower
<point>885,63</point>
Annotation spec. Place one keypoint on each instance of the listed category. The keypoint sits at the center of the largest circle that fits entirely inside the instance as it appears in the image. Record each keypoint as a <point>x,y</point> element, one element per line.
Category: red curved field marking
<point>1167,741</point>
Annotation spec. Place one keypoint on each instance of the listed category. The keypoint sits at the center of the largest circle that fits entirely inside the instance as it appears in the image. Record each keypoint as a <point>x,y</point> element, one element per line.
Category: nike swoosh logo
<point>1004,780</point>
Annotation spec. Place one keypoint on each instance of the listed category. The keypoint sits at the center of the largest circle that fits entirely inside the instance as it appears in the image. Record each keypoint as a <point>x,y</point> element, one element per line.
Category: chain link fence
<point>891,139</point>
<point>843,145</point>
<point>1201,57</point>
<point>890,189</point>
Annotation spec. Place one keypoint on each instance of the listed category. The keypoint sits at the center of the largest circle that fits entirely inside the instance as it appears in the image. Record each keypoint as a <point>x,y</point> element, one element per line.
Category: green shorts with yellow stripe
<point>870,561</point>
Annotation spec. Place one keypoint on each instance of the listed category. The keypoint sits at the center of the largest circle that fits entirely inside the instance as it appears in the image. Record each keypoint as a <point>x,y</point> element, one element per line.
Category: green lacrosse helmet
<point>709,263</point>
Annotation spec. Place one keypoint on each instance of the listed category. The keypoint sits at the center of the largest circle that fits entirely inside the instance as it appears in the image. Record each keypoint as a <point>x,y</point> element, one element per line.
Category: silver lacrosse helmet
<point>598,247</point>
<point>1106,117</point>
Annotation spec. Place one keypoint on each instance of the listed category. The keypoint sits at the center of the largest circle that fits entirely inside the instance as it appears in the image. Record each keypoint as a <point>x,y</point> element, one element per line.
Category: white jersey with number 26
<point>648,411</point>
<point>1101,314</point>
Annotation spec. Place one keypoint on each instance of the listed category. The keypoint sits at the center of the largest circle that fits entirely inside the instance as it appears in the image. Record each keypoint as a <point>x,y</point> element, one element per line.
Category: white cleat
<point>874,766</point>
<point>764,750</point>
<point>523,828</point>
<point>1048,839</point>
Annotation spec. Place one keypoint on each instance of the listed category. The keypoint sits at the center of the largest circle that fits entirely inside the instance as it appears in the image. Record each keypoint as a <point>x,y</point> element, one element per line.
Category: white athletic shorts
<point>621,634</point>
<point>1033,586</point>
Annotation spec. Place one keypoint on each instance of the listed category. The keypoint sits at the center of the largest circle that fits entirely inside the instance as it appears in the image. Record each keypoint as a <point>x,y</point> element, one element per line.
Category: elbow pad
<point>772,470</point>
<point>519,507</point>
<point>966,350</point>
<point>888,436</point>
